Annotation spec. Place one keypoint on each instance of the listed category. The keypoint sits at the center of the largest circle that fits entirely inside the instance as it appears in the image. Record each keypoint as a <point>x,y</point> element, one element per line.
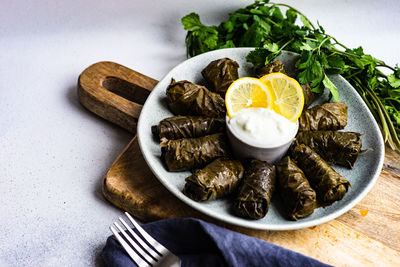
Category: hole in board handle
<point>125,89</point>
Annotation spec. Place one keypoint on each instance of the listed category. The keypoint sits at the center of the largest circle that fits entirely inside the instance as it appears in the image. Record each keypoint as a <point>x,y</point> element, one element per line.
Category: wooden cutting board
<point>368,234</point>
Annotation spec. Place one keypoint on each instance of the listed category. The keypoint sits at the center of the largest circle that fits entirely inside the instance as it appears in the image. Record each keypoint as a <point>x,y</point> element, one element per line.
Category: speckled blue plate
<point>362,177</point>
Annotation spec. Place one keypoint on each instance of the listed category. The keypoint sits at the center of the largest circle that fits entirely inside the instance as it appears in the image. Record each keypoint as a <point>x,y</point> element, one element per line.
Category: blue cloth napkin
<point>198,243</point>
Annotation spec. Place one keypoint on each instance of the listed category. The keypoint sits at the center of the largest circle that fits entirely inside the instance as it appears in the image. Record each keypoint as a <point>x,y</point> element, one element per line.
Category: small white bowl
<point>244,150</point>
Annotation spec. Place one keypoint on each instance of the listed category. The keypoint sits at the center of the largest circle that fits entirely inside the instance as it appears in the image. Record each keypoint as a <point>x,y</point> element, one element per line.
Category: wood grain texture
<point>369,234</point>
<point>392,161</point>
<point>114,92</point>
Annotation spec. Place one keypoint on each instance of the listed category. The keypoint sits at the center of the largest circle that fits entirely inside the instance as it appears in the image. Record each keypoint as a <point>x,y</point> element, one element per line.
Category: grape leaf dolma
<point>256,190</point>
<point>187,98</point>
<point>329,185</point>
<point>187,127</point>
<point>273,66</point>
<point>220,73</point>
<point>309,96</point>
<point>340,148</point>
<point>217,179</point>
<point>278,66</point>
<point>298,197</point>
<point>190,153</point>
<point>329,116</point>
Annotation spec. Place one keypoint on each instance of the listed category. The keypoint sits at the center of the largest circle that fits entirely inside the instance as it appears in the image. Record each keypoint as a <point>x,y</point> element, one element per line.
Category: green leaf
<point>335,61</point>
<point>321,29</point>
<point>210,39</point>
<point>296,46</point>
<point>254,36</point>
<point>356,51</point>
<point>257,57</point>
<point>393,81</point>
<point>319,89</point>
<point>256,11</point>
<point>305,60</point>
<point>316,68</point>
<point>263,24</point>
<point>272,47</point>
<point>332,88</point>
<point>291,16</point>
<point>240,17</point>
<point>300,33</point>
<point>307,45</point>
<point>304,76</point>
<point>265,10</point>
<point>322,58</point>
<point>228,26</point>
<point>191,22</point>
<point>305,22</point>
<point>277,14</point>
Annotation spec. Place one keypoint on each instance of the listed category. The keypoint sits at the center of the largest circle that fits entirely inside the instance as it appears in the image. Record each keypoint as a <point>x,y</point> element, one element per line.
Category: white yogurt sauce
<point>263,127</point>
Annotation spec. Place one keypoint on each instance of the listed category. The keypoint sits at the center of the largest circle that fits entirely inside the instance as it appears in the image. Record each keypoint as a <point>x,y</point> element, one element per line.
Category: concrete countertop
<point>54,153</point>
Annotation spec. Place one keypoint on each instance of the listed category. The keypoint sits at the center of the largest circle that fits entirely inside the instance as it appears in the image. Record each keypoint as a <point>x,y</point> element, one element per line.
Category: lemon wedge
<point>247,92</point>
<point>288,98</point>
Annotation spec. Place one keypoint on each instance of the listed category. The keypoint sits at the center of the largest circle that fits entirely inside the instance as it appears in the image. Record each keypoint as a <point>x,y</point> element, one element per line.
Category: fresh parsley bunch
<point>263,25</point>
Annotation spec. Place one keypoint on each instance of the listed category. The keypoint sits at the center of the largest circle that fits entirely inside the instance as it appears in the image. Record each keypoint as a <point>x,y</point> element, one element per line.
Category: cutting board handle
<point>114,92</point>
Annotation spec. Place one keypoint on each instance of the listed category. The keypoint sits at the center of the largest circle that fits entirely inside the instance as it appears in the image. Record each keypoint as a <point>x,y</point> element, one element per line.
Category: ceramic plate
<point>362,177</point>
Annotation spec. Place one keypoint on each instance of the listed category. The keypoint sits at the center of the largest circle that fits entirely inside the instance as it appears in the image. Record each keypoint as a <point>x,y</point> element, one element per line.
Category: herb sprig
<point>264,26</point>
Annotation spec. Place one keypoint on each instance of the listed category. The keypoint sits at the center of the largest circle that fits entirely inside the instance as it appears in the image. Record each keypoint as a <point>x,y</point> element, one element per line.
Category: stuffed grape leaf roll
<point>255,191</point>
<point>187,98</point>
<point>190,153</point>
<point>273,66</point>
<point>329,185</point>
<point>218,179</point>
<point>309,95</point>
<point>329,116</point>
<point>187,127</point>
<point>340,148</point>
<point>220,73</point>
<point>299,199</point>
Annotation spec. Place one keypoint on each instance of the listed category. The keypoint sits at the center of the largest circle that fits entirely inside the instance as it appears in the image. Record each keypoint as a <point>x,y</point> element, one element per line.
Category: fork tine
<point>138,249</point>
<point>138,260</point>
<point>147,249</point>
<point>160,248</point>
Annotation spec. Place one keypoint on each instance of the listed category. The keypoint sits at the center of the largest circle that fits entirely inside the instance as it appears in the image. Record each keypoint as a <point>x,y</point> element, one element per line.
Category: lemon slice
<point>247,92</point>
<point>287,94</point>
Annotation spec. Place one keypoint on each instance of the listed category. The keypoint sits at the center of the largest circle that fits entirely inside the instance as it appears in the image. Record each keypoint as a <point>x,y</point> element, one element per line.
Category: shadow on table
<point>120,136</point>
<point>98,259</point>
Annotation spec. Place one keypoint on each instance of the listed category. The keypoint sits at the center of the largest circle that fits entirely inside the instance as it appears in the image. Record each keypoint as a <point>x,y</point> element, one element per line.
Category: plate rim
<point>239,221</point>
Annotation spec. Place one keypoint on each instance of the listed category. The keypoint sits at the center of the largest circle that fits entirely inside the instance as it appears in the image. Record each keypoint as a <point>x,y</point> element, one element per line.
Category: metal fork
<point>144,251</point>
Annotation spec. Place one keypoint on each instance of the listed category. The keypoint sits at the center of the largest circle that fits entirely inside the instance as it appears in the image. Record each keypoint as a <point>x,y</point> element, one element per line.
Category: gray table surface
<point>54,154</point>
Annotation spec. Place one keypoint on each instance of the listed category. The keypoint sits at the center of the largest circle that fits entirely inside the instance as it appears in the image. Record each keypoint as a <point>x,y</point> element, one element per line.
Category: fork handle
<point>114,92</point>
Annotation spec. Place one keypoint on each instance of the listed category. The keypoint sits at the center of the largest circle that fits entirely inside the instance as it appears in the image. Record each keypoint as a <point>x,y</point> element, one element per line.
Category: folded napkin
<point>198,243</point>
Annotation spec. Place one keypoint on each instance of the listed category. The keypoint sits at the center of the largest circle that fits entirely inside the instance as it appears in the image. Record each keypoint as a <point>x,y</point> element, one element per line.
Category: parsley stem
<point>286,44</point>
<point>353,74</point>
<point>389,124</point>
<point>386,66</point>
<point>362,93</point>
<point>393,99</point>
<point>310,39</point>
<point>345,53</point>
<point>271,21</point>
<point>338,43</point>
<point>323,41</point>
